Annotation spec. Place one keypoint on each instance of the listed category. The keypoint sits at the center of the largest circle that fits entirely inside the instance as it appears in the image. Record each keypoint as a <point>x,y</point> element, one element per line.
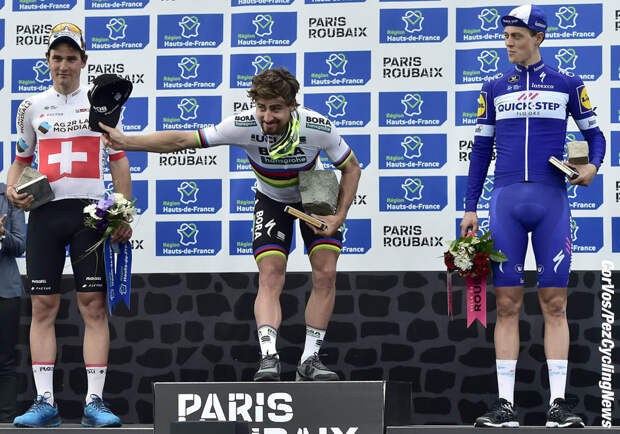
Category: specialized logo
<point>42,5</point>
<point>420,151</point>
<point>188,238</point>
<point>116,4</point>
<point>413,25</point>
<point>586,234</point>
<point>567,17</point>
<point>185,72</point>
<point>356,236</point>
<point>117,33</point>
<point>348,68</point>
<point>188,112</point>
<point>343,109</point>
<point>245,66</point>
<point>423,193</point>
<point>190,31</point>
<point>558,258</point>
<point>242,192</point>
<point>412,108</point>
<point>264,29</point>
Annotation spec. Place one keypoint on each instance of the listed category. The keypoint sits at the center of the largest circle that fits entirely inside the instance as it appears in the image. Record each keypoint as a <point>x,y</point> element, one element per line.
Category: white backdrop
<point>399,78</point>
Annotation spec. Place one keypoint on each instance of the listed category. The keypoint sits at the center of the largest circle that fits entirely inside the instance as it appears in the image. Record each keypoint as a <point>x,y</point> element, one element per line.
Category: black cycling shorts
<point>51,228</point>
<point>273,230</point>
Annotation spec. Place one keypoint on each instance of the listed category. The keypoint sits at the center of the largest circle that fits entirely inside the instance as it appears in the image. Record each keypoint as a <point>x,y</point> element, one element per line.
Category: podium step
<point>74,428</point>
<point>322,407</point>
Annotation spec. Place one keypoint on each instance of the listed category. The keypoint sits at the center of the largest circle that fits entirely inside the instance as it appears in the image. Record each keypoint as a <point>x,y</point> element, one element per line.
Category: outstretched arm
<point>161,141</point>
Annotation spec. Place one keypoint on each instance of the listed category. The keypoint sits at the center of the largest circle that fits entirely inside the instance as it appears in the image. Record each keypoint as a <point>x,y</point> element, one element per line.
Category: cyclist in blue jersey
<point>524,113</point>
<point>280,139</point>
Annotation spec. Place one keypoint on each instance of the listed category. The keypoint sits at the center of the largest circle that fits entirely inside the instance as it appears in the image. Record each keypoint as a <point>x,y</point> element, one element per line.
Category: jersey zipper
<point>527,118</point>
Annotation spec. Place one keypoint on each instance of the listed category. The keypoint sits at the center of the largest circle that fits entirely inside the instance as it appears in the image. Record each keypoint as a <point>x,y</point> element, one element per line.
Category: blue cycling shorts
<point>543,210</point>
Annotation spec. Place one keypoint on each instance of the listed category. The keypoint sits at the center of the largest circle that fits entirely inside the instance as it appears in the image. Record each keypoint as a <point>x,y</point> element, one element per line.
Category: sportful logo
<point>188,108</point>
<point>489,19</point>
<point>566,58</point>
<point>336,105</point>
<point>567,17</point>
<point>488,60</point>
<point>116,28</point>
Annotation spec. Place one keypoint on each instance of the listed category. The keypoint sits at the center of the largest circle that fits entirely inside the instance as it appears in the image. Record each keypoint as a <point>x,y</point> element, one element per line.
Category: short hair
<point>274,83</point>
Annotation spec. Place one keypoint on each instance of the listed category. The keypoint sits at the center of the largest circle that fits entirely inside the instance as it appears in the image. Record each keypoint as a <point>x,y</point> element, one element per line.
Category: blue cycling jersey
<point>525,111</point>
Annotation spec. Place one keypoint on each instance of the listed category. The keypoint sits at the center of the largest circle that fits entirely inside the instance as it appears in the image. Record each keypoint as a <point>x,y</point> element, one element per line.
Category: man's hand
<point>2,230</point>
<point>21,201</point>
<point>587,172</point>
<point>121,234</point>
<point>113,138</point>
<point>469,223</point>
<point>333,224</point>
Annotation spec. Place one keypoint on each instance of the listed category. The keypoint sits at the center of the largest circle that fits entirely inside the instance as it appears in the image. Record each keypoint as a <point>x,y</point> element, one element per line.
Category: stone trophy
<point>319,195</point>
<point>578,152</point>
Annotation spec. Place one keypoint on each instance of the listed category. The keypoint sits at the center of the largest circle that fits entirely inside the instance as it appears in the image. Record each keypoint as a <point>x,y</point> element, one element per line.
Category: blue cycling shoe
<point>97,415</point>
<point>40,414</point>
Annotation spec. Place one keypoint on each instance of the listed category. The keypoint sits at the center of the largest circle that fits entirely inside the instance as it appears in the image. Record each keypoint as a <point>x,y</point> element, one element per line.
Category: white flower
<point>119,199</point>
<point>475,240</point>
<point>91,209</point>
<point>463,263</point>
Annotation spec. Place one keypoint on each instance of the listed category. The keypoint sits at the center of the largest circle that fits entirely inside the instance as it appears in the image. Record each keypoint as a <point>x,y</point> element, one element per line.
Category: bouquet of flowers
<point>471,256</point>
<point>107,214</point>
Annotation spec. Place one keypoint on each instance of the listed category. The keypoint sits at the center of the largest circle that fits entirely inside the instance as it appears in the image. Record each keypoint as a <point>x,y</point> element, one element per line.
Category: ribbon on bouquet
<point>117,258</point>
<point>449,295</point>
<point>476,300</point>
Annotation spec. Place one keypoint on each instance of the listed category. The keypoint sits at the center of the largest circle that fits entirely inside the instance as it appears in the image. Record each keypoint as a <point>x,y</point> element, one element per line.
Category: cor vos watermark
<point>607,344</point>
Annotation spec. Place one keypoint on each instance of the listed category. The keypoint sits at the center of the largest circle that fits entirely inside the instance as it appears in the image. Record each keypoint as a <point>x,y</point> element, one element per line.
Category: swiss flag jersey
<point>69,154</point>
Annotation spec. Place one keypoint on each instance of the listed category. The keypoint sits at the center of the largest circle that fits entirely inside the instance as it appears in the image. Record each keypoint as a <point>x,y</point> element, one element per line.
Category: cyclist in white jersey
<point>280,139</point>
<point>54,125</point>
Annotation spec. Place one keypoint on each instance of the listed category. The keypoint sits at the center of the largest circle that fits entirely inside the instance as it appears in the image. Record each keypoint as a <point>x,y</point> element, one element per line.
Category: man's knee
<point>554,308</point>
<point>44,308</point>
<point>508,308</point>
<point>92,306</point>
<point>271,274</point>
<point>324,275</point>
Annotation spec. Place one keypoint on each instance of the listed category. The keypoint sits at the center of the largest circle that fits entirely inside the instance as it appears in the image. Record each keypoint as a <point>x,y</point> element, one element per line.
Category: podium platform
<point>462,429</point>
<point>322,407</point>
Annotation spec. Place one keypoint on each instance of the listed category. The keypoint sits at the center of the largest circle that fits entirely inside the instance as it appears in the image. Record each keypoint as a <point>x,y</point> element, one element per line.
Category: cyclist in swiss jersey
<point>281,139</point>
<point>54,125</point>
<point>524,111</point>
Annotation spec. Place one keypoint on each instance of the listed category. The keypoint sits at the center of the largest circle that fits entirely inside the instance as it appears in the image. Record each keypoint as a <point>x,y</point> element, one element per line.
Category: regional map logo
<point>586,234</point>
<point>189,72</point>
<point>584,62</point>
<point>140,193</point>
<point>189,238</point>
<point>356,236</point>
<point>574,21</point>
<point>420,193</point>
<point>188,113</point>
<point>485,195</point>
<point>245,66</point>
<point>190,31</point>
<point>615,61</point>
<point>238,160</point>
<point>590,197</point>
<point>412,108</point>
<point>138,162</point>
<point>188,196</point>
<point>480,23</point>
<point>240,237</point>
<point>30,75</point>
<point>343,68</point>
<point>478,66</point>
<point>615,105</point>
<point>412,151</point>
<point>117,33</point>
<point>242,193</point>
<point>342,109</point>
<point>263,29</point>
<point>359,143</point>
<point>42,5</point>
<point>467,107</point>
<point>413,25</point>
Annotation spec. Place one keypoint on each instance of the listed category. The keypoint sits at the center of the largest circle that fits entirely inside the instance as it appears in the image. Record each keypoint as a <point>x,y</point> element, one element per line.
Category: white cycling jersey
<point>69,154</point>
<point>277,178</point>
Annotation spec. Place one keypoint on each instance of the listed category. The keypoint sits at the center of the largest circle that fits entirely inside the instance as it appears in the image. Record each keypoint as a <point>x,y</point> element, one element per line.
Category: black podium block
<point>323,407</point>
<point>208,428</point>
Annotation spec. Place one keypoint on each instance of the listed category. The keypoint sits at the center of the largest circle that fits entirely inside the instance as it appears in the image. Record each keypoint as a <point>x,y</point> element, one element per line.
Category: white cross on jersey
<point>66,157</point>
